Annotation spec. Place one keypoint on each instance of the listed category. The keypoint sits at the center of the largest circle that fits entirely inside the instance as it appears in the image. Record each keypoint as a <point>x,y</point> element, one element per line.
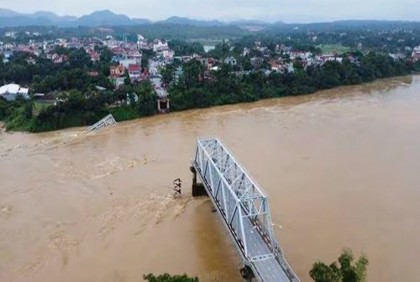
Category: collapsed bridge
<point>243,207</point>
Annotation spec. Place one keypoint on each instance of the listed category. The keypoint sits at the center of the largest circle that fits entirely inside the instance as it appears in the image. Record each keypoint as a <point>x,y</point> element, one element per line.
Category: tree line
<point>77,108</point>
<point>80,103</point>
<point>228,87</point>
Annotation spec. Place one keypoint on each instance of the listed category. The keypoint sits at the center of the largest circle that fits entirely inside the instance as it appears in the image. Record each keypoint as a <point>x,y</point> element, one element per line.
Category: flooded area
<point>341,169</point>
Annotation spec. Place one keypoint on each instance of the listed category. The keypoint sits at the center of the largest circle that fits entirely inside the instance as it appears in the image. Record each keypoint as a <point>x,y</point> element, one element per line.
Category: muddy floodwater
<point>341,168</point>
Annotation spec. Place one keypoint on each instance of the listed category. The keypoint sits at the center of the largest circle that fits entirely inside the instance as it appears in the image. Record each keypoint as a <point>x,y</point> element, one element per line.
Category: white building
<point>160,46</point>
<point>230,61</point>
<point>168,55</point>
<point>126,62</point>
<point>11,34</point>
<point>11,91</point>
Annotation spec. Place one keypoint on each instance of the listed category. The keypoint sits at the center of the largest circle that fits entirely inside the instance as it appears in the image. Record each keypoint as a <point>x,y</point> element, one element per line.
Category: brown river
<point>341,168</point>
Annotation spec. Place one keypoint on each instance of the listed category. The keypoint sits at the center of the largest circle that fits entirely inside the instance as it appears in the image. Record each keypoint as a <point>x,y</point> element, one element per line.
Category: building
<point>11,34</point>
<point>134,72</point>
<point>168,55</point>
<point>158,45</point>
<point>256,62</point>
<point>134,55</point>
<point>6,56</point>
<point>11,91</point>
<point>94,56</point>
<point>230,61</point>
<point>117,75</point>
<point>117,71</point>
<point>56,58</point>
<point>126,62</point>
<point>416,54</point>
<point>93,73</point>
<point>31,61</point>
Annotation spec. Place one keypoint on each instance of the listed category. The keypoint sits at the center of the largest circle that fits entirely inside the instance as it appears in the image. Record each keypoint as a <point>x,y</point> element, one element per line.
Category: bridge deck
<point>243,207</point>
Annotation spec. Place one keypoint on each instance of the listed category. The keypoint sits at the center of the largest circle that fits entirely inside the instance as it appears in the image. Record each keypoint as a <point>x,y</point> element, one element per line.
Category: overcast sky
<point>269,10</point>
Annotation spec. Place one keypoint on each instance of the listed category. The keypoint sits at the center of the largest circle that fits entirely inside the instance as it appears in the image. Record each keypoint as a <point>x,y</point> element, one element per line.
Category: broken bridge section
<point>244,208</point>
<point>106,121</point>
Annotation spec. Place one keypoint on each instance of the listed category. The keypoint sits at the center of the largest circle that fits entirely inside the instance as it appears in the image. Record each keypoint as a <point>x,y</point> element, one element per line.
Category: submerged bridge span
<point>243,207</point>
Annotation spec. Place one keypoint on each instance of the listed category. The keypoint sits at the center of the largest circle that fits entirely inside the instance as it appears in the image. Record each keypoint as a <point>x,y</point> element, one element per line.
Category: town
<point>131,76</point>
<point>187,141</point>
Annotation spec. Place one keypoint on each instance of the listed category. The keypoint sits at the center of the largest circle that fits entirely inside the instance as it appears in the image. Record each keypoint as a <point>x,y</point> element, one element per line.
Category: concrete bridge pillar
<point>197,188</point>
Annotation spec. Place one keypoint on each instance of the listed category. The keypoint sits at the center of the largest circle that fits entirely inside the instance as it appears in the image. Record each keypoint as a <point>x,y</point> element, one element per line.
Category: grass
<point>334,48</point>
<point>38,106</point>
<point>207,42</point>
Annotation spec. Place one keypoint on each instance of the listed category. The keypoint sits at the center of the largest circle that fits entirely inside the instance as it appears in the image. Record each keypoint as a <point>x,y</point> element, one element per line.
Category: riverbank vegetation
<point>248,69</point>
<point>346,270</point>
<point>79,109</point>
<point>169,278</point>
<point>225,86</point>
<point>228,87</point>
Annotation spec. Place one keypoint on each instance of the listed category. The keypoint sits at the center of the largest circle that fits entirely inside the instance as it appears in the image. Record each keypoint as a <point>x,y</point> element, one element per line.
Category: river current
<point>341,168</point>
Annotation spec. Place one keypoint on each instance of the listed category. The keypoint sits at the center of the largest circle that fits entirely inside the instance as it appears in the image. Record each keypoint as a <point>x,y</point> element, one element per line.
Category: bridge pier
<point>198,189</point>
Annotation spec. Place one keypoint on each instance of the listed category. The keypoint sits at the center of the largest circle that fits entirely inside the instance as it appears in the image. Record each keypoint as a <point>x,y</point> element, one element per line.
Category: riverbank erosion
<point>340,168</point>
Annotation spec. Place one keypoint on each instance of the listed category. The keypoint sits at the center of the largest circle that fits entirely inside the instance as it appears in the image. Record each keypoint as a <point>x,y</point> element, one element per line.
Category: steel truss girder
<point>244,208</point>
<point>238,195</point>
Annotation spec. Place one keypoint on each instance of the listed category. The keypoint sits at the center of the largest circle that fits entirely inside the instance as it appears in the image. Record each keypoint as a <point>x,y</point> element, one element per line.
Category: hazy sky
<point>269,10</point>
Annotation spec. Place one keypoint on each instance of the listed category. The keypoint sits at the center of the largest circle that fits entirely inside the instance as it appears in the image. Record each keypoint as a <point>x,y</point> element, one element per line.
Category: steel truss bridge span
<point>244,208</point>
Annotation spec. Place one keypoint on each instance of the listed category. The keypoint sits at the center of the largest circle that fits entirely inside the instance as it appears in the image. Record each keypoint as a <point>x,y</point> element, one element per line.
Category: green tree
<point>168,74</point>
<point>193,73</point>
<point>106,54</point>
<point>183,48</point>
<point>169,278</point>
<point>346,270</point>
<point>146,105</point>
<point>78,58</point>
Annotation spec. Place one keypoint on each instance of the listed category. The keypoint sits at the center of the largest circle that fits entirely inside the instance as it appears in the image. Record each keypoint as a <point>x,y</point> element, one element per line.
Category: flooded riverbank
<point>340,168</point>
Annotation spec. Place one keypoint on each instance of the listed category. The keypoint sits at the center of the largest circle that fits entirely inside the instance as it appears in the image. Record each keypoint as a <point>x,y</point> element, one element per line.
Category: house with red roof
<point>117,71</point>
<point>58,59</point>
<point>134,72</point>
<point>94,56</point>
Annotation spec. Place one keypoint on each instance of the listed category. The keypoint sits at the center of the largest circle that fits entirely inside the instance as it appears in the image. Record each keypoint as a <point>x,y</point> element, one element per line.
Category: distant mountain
<point>52,17</point>
<point>104,18</point>
<point>10,18</point>
<point>249,23</point>
<point>345,25</point>
<point>7,13</point>
<point>16,21</point>
<point>137,21</point>
<point>188,21</point>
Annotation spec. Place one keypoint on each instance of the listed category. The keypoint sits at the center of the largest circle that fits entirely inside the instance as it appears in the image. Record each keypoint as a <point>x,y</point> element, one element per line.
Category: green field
<point>38,106</point>
<point>208,42</point>
<point>334,48</point>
